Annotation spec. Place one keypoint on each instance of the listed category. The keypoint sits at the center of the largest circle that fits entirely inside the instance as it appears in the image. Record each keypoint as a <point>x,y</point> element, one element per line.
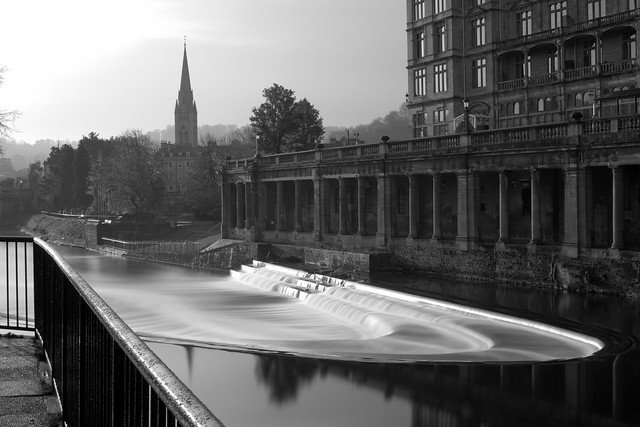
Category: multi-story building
<point>519,63</point>
<point>526,153</point>
<point>179,158</point>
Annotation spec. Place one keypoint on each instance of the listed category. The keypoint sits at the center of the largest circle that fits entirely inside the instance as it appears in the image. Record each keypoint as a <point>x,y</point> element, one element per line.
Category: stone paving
<point>27,396</point>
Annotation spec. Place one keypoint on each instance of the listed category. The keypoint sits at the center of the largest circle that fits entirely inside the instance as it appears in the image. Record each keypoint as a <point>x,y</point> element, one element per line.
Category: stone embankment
<point>62,231</point>
<point>515,266</point>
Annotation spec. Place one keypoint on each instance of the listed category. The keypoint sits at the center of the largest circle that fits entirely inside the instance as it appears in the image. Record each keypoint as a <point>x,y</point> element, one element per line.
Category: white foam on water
<point>271,308</point>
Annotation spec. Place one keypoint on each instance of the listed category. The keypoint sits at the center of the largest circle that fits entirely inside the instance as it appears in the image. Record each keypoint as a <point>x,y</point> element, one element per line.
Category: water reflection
<point>284,376</point>
<point>601,391</point>
<point>279,390</point>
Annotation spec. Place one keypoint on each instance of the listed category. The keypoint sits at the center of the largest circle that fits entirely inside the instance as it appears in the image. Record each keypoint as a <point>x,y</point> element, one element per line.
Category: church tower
<point>186,114</point>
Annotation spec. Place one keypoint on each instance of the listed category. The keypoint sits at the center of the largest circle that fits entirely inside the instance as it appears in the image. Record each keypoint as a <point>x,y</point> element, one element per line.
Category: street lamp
<point>465,102</point>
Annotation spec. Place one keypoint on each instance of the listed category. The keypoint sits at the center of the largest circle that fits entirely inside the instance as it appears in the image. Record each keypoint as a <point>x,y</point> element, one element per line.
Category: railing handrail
<point>179,399</point>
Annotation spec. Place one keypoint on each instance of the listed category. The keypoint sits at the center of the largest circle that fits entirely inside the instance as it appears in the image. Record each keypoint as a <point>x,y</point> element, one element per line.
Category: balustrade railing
<point>596,126</point>
<point>616,67</point>
<point>103,372</point>
<point>543,79</point>
<point>578,73</point>
<point>512,84</point>
<point>629,123</point>
<point>568,29</point>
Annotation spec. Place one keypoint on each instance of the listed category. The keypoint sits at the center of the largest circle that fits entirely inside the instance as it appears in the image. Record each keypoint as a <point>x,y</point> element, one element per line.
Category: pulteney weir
<point>103,372</point>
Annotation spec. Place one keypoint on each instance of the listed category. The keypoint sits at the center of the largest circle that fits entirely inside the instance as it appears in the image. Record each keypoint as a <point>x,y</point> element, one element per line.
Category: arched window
<point>541,104</point>
<point>516,108</point>
<point>549,104</point>
<point>509,110</point>
<point>588,98</point>
<point>578,100</point>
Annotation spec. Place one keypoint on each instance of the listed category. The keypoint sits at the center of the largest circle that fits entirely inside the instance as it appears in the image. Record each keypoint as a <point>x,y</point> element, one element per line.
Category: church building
<point>180,158</point>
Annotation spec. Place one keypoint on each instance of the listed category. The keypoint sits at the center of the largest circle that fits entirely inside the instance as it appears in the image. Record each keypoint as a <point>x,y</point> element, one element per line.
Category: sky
<point>76,66</point>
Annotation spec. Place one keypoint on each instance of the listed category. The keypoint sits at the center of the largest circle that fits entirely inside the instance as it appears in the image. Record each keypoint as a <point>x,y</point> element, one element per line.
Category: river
<point>227,342</point>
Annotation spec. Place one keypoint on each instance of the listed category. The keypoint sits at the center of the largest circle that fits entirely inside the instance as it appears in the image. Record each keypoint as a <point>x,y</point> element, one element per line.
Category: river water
<point>232,342</point>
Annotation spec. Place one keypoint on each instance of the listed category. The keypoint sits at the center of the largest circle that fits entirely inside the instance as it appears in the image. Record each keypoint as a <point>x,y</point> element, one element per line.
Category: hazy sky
<point>75,66</point>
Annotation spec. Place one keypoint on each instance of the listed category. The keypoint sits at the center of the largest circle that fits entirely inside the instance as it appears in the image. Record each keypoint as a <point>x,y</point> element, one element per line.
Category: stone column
<point>535,207</point>
<point>362,214</point>
<point>248,205</point>
<point>503,184</point>
<point>318,208</point>
<point>570,242</point>
<point>437,200</point>
<point>466,210</point>
<point>342,206</point>
<point>224,232</point>
<point>297,205</point>
<point>413,207</point>
<point>384,189</point>
<point>618,207</point>
<point>280,205</point>
<point>239,207</point>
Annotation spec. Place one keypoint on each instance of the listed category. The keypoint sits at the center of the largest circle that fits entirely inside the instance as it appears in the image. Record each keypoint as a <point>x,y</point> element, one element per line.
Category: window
<point>516,108</point>
<point>595,9</point>
<point>418,10</point>
<point>524,23</point>
<point>523,66</point>
<point>479,67</point>
<point>558,12</point>
<point>438,6</point>
<point>419,82</point>
<point>419,122</point>
<point>629,46</point>
<point>479,34</point>
<point>440,119</point>
<point>440,78</point>
<point>541,104</point>
<point>310,196</point>
<point>418,45</point>
<point>552,61</point>
<point>439,38</point>
<point>633,4</point>
<point>440,115</point>
<point>589,53</point>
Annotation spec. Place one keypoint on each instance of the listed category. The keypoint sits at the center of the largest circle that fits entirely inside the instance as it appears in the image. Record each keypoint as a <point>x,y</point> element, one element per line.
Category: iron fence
<point>103,372</point>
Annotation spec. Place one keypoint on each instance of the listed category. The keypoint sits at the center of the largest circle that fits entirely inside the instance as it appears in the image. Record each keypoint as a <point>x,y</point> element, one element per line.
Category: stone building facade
<point>535,167</point>
<point>519,63</point>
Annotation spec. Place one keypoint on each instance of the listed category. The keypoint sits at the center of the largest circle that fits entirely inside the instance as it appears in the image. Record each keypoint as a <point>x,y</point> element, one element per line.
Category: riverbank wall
<point>522,265</point>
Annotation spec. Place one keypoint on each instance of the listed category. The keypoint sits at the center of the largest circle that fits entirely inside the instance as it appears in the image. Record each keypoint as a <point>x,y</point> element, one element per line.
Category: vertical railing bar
<point>26,288</point>
<point>6,250</point>
<point>17,287</point>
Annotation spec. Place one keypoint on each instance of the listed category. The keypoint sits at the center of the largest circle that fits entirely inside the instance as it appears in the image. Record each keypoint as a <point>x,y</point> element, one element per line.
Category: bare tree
<point>6,117</point>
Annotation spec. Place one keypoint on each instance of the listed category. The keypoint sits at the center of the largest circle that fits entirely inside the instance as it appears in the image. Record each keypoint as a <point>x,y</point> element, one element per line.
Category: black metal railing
<point>16,296</point>
<point>103,372</point>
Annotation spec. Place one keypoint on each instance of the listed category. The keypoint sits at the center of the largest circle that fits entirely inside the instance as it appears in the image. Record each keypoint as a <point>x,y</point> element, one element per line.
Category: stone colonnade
<point>380,210</point>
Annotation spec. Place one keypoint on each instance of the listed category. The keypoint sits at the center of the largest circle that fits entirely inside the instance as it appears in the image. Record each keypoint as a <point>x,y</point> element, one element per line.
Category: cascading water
<point>402,327</point>
<point>273,309</point>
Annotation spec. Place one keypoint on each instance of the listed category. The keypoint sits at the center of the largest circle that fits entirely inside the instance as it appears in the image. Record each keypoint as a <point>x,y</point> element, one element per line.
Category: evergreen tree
<point>81,168</point>
<point>284,124</point>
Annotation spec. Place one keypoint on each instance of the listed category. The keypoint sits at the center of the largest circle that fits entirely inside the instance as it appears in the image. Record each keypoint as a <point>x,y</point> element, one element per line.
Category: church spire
<point>185,81</point>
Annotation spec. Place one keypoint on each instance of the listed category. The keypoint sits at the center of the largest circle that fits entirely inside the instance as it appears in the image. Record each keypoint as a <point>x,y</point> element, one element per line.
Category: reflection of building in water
<point>526,133</point>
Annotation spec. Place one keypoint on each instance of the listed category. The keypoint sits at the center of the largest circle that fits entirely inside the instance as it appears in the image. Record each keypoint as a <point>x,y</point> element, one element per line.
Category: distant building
<point>180,158</point>
<point>519,63</point>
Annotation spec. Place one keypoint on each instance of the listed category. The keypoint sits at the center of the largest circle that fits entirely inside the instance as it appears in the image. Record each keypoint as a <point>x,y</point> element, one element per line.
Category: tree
<point>6,117</point>
<point>203,182</point>
<point>281,121</point>
<point>309,130</point>
<point>81,168</point>
<point>130,181</point>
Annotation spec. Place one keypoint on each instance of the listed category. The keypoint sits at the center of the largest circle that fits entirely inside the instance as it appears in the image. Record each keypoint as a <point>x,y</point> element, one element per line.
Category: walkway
<point>27,397</point>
